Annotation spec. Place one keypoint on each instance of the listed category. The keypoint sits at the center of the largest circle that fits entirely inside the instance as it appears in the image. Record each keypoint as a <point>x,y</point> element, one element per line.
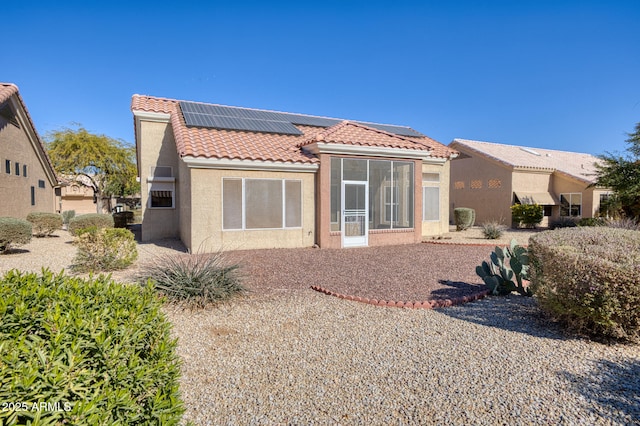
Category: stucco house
<point>28,182</point>
<point>221,177</point>
<point>490,177</point>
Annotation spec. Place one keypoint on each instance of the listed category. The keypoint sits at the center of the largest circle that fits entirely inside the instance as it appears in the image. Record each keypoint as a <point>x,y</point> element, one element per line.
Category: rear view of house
<point>27,179</point>
<point>490,177</point>
<point>221,177</point>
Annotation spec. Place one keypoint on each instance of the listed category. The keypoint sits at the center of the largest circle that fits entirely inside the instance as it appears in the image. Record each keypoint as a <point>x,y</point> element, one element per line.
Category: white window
<point>571,204</point>
<point>261,203</point>
<point>430,197</point>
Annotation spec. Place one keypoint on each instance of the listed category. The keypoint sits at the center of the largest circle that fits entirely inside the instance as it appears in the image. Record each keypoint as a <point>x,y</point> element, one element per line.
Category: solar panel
<point>255,120</point>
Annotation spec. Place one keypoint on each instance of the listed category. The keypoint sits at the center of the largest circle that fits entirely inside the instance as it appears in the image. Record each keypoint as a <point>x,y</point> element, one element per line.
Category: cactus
<point>506,264</point>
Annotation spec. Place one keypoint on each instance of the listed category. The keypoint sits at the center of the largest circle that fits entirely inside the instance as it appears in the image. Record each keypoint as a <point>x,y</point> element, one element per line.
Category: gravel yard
<point>288,355</point>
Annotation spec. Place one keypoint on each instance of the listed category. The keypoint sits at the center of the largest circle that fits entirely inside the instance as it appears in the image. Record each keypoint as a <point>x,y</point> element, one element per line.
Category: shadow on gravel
<point>456,289</point>
<point>614,385</point>
<point>512,313</point>
<point>13,251</point>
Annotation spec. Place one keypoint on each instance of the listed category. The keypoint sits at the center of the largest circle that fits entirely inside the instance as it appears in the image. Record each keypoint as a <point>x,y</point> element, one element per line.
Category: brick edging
<point>428,304</point>
<point>457,243</point>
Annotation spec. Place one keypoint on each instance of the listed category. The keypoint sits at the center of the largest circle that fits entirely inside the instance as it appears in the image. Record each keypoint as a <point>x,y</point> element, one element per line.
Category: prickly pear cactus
<point>506,264</point>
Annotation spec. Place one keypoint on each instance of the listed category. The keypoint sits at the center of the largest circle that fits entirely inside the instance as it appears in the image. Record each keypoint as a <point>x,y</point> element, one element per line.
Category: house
<point>28,182</point>
<point>490,177</point>
<point>77,195</point>
<point>221,177</point>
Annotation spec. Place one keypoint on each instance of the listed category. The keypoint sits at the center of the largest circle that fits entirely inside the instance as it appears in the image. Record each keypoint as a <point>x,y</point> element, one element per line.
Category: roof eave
<point>237,164</point>
<point>370,151</point>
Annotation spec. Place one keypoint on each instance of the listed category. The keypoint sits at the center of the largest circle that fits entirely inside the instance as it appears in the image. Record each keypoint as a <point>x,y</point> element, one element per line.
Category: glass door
<point>355,214</point>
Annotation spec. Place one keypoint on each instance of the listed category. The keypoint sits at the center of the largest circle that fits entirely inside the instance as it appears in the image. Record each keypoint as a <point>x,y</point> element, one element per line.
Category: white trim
<point>370,151</point>
<point>225,163</point>
<point>160,179</point>
<point>151,116</point>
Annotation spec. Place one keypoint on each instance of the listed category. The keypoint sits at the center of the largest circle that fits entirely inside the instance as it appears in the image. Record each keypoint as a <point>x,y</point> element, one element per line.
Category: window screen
<point>263,203</point>
<point>430,203</point>
<point>293,203</point>
<point>161,195</point>
<point>232,204</point>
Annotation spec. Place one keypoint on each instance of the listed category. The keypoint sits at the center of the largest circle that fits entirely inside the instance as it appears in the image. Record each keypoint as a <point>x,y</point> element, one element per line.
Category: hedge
<point>464,218</point>
<point>14,232</point>
<point>85,221</point>
<point>90,351</point>
<point>587,278</point>
<point>44,223</point>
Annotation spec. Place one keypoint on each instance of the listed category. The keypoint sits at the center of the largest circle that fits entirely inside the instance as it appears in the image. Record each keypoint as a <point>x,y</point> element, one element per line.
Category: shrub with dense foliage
<point>623,223</point>
<point>527,215</point>
<point>105,249</point>
<point>592,221</point>
<point>85,221</point>
<point>464,218</point>
<point>492,230</point>
<point>14,232</point>
<point>507,264</point>
<point>563,222</point>
<point>44,223</point>
<point>587,277</point>
<point>95,351</point>
<point>195,280</point>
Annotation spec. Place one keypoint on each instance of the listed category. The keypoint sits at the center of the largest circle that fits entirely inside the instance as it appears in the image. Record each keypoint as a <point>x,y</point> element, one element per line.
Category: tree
<point>107,163</point>
<point>622,175</point>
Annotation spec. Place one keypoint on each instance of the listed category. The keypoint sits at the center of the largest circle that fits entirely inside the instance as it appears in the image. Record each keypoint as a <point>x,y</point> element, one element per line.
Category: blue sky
<point>550,74</point>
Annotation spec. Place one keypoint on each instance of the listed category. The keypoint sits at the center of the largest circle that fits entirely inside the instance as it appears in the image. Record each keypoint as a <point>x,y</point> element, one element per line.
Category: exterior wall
<point>183,187</point>
<point>431,228</point>
<point>532,182</point>
<point>564,185</point>
<point>157,148</point>
<point>482,185</point>
<point>15,190</point>
<point>78,198</point>
<point>206,214</point>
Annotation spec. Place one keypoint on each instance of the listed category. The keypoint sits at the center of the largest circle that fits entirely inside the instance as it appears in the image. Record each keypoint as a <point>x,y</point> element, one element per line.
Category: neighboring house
<point>228,178</point>
<point>77,194</point>
<point>27,180</point>
<point>490,177</point>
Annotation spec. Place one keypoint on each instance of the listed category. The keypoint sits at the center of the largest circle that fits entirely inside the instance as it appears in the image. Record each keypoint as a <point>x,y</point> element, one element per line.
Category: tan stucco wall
<point>157,148</point>
<point>563,185</point>
<point>15,191</point>
<point>206,214</point>
<point>183,187</point>
<point>430,228</point>
<point>489,203</point>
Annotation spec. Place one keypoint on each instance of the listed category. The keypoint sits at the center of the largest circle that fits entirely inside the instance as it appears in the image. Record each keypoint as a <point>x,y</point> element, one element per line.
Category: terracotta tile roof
<point>350,133</point>
<point>7,90</point>
<point>577,165</point>
<point>248,145</point>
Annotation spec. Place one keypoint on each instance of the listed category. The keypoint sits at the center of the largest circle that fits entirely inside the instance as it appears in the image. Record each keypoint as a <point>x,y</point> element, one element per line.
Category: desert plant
<point>623,223</point>
<point>105,249</point>
<point>492,230</point>
<point>14,232</point>
<point>195,280</point>
<point>464,218</point>
<point>85,221</point>
<point>44,223</point>
<point>587,278</point>
<point>506,264</point>
<point>67,215</point>
<point>529,215</point>
<point>96,351</point>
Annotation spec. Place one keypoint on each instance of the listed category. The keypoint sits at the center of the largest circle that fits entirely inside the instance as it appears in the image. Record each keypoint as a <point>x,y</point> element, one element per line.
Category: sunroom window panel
<point>403,194</point>
<point>293,203</point>
<point>430,203</point>
<point>336,192</point>
<point>354,169</point>
<point>263,203</point>
<point>232,204</point>
<point>379,194</point>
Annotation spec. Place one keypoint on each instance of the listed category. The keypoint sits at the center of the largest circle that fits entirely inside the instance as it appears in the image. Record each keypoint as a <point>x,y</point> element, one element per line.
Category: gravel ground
<point>285,354</point>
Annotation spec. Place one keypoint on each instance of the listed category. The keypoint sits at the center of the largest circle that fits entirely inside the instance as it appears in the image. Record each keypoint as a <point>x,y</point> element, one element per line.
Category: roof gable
<point>573,164</point>
<point>233,133</point>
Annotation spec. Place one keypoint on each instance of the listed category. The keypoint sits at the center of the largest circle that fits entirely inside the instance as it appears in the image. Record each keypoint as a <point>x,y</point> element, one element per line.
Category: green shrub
<point>588,278</point>
<point>44,224</point>
<point>591,221</point>
<point>527,215</point>
<point>464,218</point>
<point>563,222</point>
<point>105,249</point>
<point>506,264</point>
<point>195,280</point>
<point>67,215</point>
<point>99,352</point>
<point>14,232</point>
<point>492,230</point>
<point>121,219</point>
<point>88,220</point>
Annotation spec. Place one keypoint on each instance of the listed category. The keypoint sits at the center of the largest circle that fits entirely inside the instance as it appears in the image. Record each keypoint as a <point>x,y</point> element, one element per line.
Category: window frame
<point>161,185</point>
<point>7,166</point>
<point>570,198</point>
<point>431,184</point>
<point>243,204</point>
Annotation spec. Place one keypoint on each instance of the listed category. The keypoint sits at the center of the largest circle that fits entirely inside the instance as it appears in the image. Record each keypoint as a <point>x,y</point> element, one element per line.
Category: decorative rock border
<point>428,304</point>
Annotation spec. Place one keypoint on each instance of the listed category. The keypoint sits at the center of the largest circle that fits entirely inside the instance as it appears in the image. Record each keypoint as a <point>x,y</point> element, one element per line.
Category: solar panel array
<point>253,120</point>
